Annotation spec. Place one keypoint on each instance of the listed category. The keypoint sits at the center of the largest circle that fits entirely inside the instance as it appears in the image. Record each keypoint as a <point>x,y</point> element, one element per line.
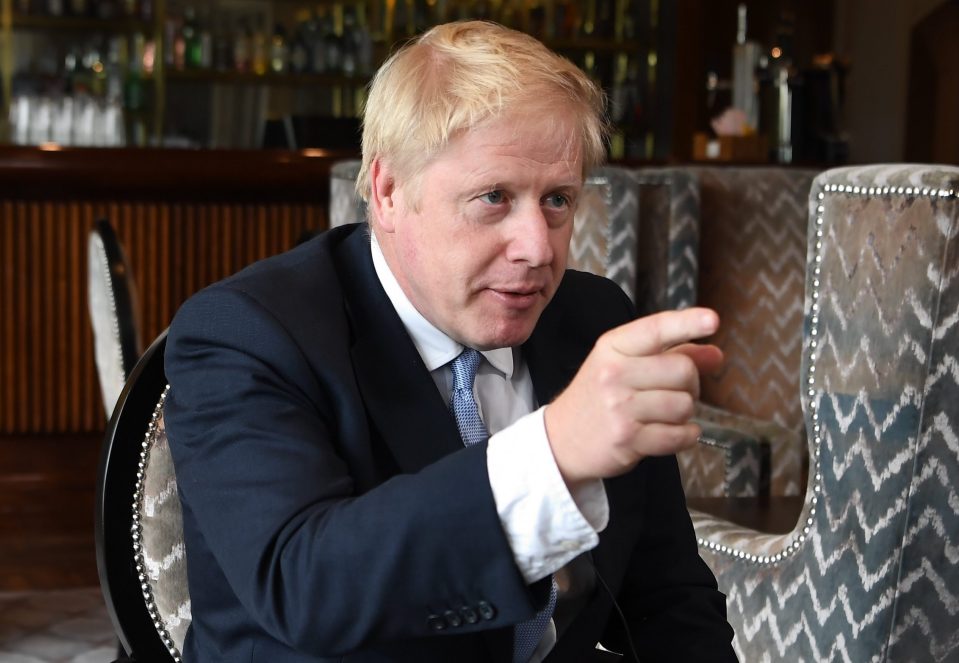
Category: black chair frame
<point>121,582</point>
<point>121,284</point>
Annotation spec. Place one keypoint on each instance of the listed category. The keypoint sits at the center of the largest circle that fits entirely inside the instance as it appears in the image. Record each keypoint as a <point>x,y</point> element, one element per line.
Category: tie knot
<point>464,368</point>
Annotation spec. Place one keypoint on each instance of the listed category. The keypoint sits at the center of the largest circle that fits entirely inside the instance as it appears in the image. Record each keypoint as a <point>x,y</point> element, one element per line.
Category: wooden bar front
<point>186,219</point>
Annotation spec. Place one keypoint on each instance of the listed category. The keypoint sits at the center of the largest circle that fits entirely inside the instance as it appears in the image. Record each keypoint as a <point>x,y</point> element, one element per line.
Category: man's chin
<point>507,334</point>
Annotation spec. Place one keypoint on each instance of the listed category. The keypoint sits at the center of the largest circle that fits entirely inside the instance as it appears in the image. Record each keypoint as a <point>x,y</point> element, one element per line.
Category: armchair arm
<point>786,447</point>
<point>726,463</point>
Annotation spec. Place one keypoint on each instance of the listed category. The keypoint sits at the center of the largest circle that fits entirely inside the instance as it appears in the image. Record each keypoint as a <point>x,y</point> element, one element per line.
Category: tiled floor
<point>66,626</point>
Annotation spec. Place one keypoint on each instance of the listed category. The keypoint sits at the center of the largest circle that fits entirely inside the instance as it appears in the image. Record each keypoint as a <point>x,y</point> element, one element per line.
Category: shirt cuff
<point>545,524</point>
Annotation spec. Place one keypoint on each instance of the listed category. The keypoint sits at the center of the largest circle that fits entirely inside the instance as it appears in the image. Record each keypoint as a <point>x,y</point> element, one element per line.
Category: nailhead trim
<point>137,530</point>
<point>727,457</point>
<point>798,537</point>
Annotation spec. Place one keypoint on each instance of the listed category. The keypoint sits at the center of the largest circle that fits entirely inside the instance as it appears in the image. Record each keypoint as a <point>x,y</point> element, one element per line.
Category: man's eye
<point>557,200</point>
<point>493,197</point>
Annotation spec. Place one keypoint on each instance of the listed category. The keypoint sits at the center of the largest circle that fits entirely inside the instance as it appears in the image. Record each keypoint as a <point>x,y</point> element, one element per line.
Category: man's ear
<point>383,194</point>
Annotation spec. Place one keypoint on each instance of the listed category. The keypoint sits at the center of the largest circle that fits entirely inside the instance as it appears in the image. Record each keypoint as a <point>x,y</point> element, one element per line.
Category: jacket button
<point>469,614</point>
<point>435,623</point>
<point>486,610</point>
<point>453,619</point>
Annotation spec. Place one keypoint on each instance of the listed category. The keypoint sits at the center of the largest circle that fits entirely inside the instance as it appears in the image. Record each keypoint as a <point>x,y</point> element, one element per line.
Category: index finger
<point>658,332</point>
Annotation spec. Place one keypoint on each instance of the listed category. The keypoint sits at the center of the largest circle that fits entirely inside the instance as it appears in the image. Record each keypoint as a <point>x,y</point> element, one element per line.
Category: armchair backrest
<point>112,304</point>
<point>871,569</point>
<point>604,237</point>
<point>752,257</point>
<point>345,205</point>
<point>141,559</point>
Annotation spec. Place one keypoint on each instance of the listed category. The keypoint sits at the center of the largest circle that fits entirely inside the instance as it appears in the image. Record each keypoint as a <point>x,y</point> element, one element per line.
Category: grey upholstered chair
<point>871,570</point>
<point>141,557</point>
<point>345,205</point>
<point>733,239</point>
<point>112,305</point>
<point>617,234</point>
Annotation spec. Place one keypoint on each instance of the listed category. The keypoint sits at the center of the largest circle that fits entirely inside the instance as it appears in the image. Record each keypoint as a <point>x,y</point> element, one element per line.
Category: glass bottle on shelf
<point>299,46</point>
<point>259,57</point>
<point>243,47</point>
<point>222,47</point>
<point>205,39</point>
<point>192,47</point>
<point>279,50</point>
<point>178,50</point>
<point>348,44</point>
<point>316,42</point>
<point>331,41</point>
<point>364,43</point>
<point>134,93</point>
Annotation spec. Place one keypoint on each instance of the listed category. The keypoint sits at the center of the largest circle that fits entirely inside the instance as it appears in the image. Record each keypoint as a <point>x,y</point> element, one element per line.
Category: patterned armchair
<point>345,205</point>
<point>871,571</point>
<point>733,239</point>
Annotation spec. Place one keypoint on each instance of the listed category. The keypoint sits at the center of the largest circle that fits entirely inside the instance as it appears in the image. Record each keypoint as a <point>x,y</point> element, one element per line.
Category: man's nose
<point>529,239</point>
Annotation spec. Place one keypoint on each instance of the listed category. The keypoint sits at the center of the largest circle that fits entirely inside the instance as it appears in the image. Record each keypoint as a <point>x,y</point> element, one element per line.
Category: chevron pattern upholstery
<point>163,551</point>
<point>604,238</point>
<point>871,571</point>
<point>733,239</point>
<point>669,238</point>
<point>345,205</point>
<point>752,260</point>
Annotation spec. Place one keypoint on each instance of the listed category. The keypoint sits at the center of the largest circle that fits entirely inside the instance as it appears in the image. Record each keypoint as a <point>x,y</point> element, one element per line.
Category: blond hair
<point>458,75</point>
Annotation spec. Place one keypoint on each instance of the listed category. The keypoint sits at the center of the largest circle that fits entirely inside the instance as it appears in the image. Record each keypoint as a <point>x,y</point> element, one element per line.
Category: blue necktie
<point>473,430</point>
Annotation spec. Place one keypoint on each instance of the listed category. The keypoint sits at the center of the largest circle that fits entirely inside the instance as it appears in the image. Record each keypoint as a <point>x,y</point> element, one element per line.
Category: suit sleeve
<point>270,502</point>
<point>669,595</point>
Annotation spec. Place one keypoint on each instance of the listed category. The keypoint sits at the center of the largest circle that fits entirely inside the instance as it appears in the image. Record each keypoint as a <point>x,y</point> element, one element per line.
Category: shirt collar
<point>435,348</point>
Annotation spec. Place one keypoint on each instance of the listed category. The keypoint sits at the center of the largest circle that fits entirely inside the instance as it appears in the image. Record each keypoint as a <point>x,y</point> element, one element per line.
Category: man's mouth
<point>518,297</point>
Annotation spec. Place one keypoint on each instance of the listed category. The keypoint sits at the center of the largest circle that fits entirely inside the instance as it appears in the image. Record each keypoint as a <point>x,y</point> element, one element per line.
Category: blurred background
<point>823,81</point>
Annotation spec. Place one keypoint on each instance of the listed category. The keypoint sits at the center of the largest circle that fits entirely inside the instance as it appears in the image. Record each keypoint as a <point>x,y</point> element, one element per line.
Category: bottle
<point>192,40</point>
<point>243,47</point>
<point>331,40</point>
<point>222,48</point>
<point>299,46</point>
<point>259,55</point>
<point>364,44</point>
<point>746,56</point>
<point>179,45</point>
<point>134,93</point>
<point>279,51</point>
<point>348,44</point>
<point>316,36</point>
<point>205,41</point>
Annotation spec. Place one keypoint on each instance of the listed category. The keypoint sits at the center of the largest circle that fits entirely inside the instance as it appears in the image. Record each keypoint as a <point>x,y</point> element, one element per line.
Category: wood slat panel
<point>49,382</point>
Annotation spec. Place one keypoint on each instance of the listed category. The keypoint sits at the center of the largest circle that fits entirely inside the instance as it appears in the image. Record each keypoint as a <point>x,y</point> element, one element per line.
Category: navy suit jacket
<point>332,513</point>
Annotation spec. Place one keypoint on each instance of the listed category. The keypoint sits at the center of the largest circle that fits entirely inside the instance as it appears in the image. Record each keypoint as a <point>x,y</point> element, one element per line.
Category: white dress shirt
<point>545,524</point>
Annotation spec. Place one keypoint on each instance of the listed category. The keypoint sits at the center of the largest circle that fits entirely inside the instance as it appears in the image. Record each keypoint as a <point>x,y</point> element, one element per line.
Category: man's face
<point>484,251</point>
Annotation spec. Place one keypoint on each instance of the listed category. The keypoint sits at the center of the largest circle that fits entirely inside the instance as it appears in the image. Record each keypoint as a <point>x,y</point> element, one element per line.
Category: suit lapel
<point>400,396</point>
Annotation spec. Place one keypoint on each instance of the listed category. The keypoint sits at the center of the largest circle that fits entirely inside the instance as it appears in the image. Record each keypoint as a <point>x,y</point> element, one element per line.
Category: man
<point>329,411</point>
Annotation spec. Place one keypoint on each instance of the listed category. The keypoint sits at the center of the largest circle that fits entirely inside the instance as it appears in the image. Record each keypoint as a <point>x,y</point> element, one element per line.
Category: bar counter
<point>186,219</point>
